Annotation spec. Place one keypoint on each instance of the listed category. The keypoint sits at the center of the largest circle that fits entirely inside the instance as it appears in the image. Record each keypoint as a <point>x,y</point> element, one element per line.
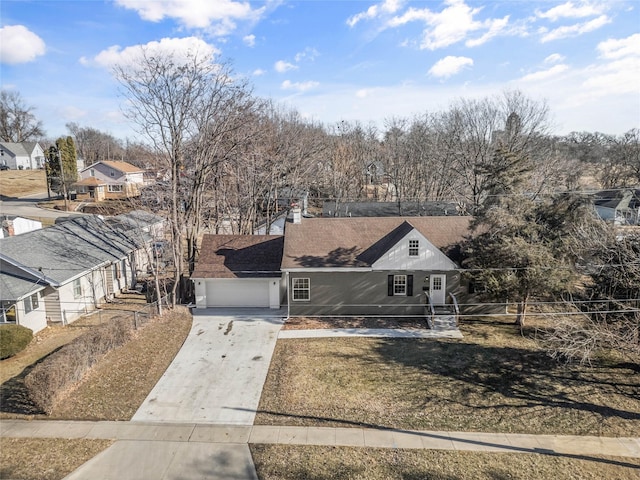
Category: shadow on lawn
<point>528,376</point>
<point>14,395</point>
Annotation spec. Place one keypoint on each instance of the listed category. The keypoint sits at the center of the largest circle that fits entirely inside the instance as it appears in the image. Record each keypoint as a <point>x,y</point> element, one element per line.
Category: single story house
<point>239,271</point>
<point>621,206</point>
<point>332,208</point>
<point>336,266</point>
<point>21,298</point>
<point>22,156</point>
<point>78,263</point>
<point>116,179</point>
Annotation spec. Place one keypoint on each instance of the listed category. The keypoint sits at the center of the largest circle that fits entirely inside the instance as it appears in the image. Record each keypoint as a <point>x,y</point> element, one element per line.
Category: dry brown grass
<point>493,380</point>
<point>284,462</point>
<point>45,458</point>
<point>303,323</point>
<point>115,387</point>
<point>20,183</point>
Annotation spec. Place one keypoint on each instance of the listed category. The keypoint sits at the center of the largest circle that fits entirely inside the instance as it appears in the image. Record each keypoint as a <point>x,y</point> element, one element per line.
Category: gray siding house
<point>371,266</point>
<point>21,156</point>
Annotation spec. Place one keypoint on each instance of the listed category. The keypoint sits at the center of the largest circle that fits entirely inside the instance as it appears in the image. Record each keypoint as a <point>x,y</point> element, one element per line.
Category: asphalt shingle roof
<point>233,256</point>
<point>359,242</point>
<point>66,250</point>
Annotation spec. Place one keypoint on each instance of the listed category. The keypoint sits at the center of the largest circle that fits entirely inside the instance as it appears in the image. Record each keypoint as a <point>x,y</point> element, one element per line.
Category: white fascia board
<point>30,271</point>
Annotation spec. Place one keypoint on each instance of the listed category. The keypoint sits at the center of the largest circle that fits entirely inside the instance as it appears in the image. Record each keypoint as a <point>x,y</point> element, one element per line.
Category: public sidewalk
<point>176,434</point>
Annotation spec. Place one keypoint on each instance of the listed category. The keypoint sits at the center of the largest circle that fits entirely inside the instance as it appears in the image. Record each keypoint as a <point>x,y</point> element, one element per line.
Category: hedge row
<point>13,339</point>
<point>53,376</point>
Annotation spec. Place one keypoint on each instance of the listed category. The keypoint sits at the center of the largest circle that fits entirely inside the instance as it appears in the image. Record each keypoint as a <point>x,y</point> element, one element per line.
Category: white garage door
<point>238,292</point>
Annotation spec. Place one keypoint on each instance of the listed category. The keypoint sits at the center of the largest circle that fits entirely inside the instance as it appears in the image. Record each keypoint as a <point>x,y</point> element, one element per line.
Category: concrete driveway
<point>218,375</point>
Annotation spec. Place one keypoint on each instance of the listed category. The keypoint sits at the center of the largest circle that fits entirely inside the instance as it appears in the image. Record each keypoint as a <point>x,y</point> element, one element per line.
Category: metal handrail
<point>456,308</point>
<point>430,319</point>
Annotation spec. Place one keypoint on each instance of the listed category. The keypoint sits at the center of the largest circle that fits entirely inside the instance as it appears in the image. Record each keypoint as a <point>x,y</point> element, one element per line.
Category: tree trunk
<point>521,312</point>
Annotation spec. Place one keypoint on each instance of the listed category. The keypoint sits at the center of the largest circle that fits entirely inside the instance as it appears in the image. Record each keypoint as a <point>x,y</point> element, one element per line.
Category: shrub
<point>49,379</point>
<point>13,339</point>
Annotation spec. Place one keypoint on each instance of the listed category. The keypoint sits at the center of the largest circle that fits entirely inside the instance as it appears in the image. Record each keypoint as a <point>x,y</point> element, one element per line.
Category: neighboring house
<point>336,266</point>
<point>239,271</point>
<point>21,298</point>
<point>331,208</point>
<point>371,266</point>
<point>12,225</point>
<point>79,263</point>
<point>111,178</point>
<point>621,206</point>
<point>22,156</point>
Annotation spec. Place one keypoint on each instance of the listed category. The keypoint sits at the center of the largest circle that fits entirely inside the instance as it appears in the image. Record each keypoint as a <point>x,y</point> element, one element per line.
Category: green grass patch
<point>13,339</point>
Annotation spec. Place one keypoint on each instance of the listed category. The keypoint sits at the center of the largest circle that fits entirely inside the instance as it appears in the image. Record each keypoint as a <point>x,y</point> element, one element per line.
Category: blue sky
<point>336,60</point>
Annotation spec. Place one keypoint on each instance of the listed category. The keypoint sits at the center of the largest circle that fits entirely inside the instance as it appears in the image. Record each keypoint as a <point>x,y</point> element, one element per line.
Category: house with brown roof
<point>373,266</point>
<point>239,271</point>
<point>109,179</point>
<point>378,266</point>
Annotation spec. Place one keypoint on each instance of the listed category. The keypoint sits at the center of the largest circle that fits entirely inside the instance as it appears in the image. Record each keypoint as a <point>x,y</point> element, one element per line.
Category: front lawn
<point>292,462</point>
<point>493,380</point>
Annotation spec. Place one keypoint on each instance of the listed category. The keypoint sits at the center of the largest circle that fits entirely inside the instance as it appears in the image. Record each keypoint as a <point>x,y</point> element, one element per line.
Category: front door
<point>437,289</point>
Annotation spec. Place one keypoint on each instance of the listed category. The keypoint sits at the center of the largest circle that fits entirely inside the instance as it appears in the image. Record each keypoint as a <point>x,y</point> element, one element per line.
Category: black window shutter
<point>409,285</point>
<point>390,285</point>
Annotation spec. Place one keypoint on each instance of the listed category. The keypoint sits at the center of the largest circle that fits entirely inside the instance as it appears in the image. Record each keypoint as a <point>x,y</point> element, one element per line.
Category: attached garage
<point>237,292</point>
<point>239,271</point>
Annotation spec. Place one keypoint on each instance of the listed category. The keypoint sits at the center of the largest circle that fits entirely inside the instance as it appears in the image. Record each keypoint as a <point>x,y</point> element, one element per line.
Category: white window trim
<point>414,248</point>
<point>400,281</point>
<point>77,288</point>
<point>295,288</point>
<point>115,188</point>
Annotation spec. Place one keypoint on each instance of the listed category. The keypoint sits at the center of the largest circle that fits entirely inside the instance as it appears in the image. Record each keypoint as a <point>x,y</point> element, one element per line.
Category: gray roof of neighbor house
<point>136,220</point>
<point>359,242</point>
<point>17,149</point>
<point>388,209</point>
<point>67,250</point>
<point>233,256</point>
<point>618,199</point>
<point>16,284</point>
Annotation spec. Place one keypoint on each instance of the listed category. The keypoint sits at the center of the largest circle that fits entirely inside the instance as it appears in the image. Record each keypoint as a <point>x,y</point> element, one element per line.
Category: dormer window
<point>414,248</point>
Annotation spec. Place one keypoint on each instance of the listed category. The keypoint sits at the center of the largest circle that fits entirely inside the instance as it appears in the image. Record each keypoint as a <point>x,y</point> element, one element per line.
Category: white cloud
<point>281,66</point>
<point>545,74</point>
<point>554,58</point>
<point>451,25</point>
<point>18,44</point>
<point>258,72</point>
<point>299,86</point>
<point>448,66</point>
<point>496,27</point>
<point>217,15</point>
<point>617,48</point>
<point>179,48</point>
<point>387,7</point>
<point>249,40</point>
<point>575,30</point>
<point>364,92</point>
<point>307,54</point>
<point>570,10</point>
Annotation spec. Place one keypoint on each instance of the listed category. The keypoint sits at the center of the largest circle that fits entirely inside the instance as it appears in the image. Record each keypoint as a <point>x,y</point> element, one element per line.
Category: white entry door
<point>437,289</point>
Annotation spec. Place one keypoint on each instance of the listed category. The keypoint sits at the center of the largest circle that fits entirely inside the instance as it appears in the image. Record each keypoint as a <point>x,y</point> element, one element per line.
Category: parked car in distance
<point>4,167</point>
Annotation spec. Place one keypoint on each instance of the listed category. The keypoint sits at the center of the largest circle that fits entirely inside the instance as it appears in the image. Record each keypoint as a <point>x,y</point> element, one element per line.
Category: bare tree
<point>17,121</point>
<point>181,105</point>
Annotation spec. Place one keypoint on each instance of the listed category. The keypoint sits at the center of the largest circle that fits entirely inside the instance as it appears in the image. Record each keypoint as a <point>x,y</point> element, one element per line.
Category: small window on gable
<point>414,248</point>
<point>92,172</point>
<point>112,173</point>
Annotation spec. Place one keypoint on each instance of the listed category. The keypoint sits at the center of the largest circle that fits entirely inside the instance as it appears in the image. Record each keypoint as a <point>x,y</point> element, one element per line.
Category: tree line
<point>227,159</point>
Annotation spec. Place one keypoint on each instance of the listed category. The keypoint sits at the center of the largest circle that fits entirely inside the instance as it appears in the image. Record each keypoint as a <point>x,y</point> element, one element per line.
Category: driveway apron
<point>218,375</point>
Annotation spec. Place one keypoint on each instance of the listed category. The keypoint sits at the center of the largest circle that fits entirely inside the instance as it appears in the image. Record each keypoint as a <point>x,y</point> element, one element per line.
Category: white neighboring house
<point>122,179</point>
<point>72,266</point>
<point>12,225</point>
<point>22,156</point>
